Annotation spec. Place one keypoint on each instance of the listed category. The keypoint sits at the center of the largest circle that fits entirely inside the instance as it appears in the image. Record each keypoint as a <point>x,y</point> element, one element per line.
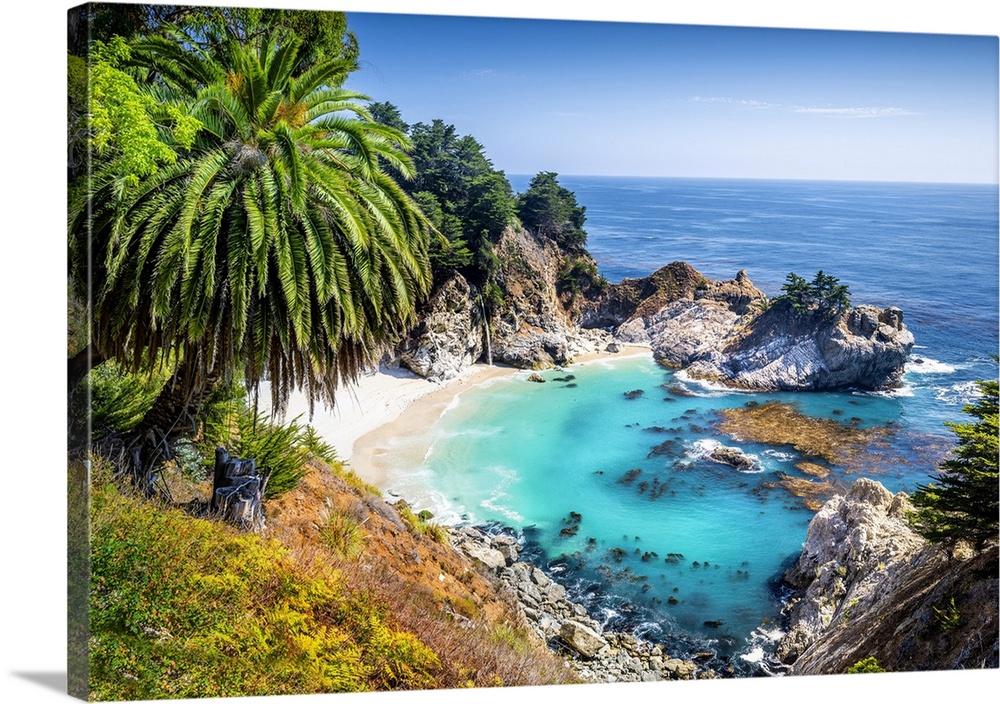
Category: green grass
<point>343,535</point>
<point>421,524</point>
<point>184,607</point>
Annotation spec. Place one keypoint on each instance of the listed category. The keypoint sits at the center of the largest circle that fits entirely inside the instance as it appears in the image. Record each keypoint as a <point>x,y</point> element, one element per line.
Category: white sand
<point>376,400</point>
<point>384,404</point>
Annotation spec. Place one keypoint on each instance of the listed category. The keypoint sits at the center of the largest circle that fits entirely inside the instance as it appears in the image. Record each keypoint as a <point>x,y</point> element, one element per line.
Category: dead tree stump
<point>238,491</point>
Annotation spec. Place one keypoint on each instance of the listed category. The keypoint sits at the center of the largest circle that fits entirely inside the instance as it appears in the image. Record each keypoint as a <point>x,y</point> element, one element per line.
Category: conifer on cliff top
<point>961,503</point>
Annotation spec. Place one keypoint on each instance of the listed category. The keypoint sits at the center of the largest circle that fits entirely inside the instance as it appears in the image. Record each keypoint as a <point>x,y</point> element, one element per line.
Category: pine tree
<point>961,504</point>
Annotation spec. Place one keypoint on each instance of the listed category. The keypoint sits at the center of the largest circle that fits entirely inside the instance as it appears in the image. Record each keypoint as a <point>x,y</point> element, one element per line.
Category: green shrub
<point>120,399</point>
<point>948,616</point>
<point>866,665</point>
<point>579,275</point>
<point>282,450</point>
<point>191,463</point>
<point>422,526</point>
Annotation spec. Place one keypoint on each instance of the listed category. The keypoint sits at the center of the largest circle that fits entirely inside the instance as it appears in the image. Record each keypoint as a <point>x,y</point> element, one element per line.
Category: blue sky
<point>624,98</point>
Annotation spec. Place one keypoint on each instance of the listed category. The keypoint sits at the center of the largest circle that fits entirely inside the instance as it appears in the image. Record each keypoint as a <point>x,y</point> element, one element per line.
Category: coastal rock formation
<point>682,332</point>
<point>633,306</point>
<point>596,654</point>
<point>450,336</point>
<point>868,586</point>
<point>863,347</point>
<point>532,328</point>
<point>724,331</point>
<point>733,456</point>
<point>721,331</point>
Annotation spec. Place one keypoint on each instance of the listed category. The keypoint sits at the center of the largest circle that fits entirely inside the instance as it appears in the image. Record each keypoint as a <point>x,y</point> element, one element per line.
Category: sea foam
<point>925,365</point>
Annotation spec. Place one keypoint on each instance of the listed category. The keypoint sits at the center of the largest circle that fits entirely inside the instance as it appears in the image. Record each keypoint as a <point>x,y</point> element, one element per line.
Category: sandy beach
<point>390,403</point>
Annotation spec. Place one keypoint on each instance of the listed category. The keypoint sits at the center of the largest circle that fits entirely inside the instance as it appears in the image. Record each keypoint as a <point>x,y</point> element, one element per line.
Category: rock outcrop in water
<point>725,331</point>
<point>863,347</point>
<point>868,586</point>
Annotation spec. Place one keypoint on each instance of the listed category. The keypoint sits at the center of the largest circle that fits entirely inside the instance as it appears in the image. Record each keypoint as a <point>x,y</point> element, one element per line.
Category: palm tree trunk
<point>80,364</point>
<point>175,409</point>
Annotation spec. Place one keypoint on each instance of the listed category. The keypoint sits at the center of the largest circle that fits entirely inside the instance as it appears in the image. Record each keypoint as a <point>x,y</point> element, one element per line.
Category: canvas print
<point>413,352</point>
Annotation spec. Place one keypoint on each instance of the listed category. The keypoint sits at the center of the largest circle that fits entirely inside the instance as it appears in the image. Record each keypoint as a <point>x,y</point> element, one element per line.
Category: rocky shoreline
<point>864,586</point>
<point>596,654</point>
<point>727,332</point>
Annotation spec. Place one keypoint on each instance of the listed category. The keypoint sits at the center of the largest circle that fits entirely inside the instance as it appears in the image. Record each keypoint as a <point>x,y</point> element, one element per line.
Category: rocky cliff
<point>866,585</point>
<point>451,334</point>
<point>724,331</point>
<point>634,306</point>
<point>531,327</point>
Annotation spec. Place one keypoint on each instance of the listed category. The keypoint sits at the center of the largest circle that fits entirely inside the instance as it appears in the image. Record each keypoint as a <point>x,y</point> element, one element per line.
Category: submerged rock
<point>812,493</point>
<point>781,424</point>
<point>813,469</point>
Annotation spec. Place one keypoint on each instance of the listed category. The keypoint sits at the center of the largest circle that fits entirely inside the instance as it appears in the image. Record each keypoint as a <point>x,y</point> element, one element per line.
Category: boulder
<point>492,559</point>
<point>506,546</point>
<point>581,638</point>
<point>733,456</point>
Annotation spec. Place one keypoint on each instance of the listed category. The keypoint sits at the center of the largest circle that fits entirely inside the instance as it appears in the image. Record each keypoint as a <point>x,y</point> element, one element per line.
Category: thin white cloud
<point>739,102</point>
<point>855,112</point>
<point>489,74</point>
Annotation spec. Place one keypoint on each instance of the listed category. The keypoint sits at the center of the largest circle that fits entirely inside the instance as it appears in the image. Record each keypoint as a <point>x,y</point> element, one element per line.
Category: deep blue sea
<point>679,549</point>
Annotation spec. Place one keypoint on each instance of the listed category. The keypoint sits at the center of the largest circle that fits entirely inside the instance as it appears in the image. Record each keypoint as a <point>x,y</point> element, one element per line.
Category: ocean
<point>605,475</point>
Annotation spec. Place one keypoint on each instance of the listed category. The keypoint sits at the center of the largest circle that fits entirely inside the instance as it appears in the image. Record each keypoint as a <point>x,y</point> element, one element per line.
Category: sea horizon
<point>995,184</point>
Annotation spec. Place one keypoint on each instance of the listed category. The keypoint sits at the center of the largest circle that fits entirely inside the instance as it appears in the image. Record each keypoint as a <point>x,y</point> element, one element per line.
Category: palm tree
<point>276,248</point>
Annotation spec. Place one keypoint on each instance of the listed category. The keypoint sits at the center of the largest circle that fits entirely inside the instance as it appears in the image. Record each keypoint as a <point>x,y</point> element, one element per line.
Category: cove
<point>604,470</point>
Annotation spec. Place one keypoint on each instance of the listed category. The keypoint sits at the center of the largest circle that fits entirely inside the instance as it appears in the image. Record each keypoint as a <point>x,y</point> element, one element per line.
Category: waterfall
<point>486,327</point>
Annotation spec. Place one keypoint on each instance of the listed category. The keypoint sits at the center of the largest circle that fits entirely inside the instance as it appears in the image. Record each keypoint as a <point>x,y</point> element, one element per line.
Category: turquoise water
<point>667,543</point>
<point>714,538</point>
